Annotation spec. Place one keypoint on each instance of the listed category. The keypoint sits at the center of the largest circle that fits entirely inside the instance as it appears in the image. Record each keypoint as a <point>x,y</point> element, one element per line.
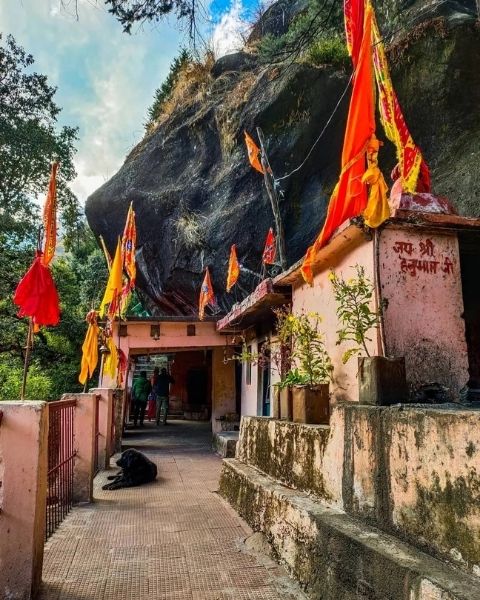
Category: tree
<point>130,12</point>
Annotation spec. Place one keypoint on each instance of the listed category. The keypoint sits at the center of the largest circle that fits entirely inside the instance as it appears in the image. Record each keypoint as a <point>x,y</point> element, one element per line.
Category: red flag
<point>354,11</point>
<point>253,153</point>
<point>233,268</point>
<point>270,250</point>
<point>207,295</point>
<point>129,241</point>
<point>349,198</point>
<point>50,217</point>
<point>37,296</point>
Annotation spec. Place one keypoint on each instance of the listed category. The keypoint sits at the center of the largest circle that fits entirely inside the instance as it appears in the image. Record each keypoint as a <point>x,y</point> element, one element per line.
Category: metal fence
<point>61,456</point>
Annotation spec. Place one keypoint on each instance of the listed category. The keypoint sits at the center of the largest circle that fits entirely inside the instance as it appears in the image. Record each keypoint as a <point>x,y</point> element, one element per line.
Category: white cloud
<point>229,34</point>
<point>105,78</point>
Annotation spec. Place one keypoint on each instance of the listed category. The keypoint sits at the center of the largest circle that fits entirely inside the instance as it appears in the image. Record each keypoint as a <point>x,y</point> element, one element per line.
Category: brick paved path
<point>174,539</point>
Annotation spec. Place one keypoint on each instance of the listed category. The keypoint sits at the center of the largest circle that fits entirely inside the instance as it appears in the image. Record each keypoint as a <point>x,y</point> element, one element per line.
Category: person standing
<point>141,388</point>
<point>162,392</point>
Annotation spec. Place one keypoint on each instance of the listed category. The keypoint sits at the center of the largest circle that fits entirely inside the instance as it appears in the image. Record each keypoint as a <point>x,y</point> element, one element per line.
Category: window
<point>248,368</point>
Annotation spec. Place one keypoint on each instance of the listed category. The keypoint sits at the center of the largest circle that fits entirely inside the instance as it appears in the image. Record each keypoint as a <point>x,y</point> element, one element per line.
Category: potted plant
<point>310,378</point>
<point>381,380</point>
<point>281,361</point>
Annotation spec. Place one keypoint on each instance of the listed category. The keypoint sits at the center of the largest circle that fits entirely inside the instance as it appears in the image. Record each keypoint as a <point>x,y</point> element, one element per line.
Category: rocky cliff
<point>195,194</point>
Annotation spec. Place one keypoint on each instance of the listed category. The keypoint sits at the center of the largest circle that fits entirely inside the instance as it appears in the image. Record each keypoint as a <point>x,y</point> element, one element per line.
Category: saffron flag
<point>354,14</point>
<point>233,268</point>
<point>89,349</point>
<point>349,198</point>
<point>378,209</point>
<point>207,295</point>
<point>37,296</point>
<point>114,285</point>
<point>111,360</point>
<point>129,241</point>
<point>409,156</point>
<point>270,249</point>
<point>50,217</point>
<point>253,153</point>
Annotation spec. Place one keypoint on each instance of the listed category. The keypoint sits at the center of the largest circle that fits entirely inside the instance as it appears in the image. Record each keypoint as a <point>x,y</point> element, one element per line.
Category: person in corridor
<point>141,388</point>
<point>162,392</point>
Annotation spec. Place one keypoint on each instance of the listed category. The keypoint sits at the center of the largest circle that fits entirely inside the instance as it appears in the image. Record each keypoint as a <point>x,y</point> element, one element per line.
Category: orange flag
<point>349,198</point>
<point>50,217</point>
<point>253,153</point>
<point>354,15</point>
<point>233,268</point>
<point>207,295</point>
<point>129,241</point>
<point>270,250</point>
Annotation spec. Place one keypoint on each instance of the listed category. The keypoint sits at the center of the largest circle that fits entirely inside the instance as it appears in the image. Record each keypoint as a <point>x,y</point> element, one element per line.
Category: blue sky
<point>105,78</point>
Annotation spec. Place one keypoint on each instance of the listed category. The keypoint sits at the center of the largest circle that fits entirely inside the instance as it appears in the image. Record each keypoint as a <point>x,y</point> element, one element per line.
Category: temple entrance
<point>469,244</point>
<point>190,395</point>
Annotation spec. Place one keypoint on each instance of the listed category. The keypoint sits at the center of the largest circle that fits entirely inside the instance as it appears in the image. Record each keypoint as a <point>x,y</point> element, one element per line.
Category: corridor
<point>175,539</point>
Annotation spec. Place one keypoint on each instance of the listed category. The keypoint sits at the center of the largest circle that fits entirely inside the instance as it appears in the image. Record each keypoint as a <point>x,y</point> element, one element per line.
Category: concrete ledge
<point>334,555</point>
<point>225,443</point>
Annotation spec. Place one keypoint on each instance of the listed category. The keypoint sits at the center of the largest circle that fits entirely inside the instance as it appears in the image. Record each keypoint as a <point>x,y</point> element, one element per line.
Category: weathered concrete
<point>23,493</point>
<point>224,443</point>
<point>333,555</point>
<point>84,443</point>
<point>413,471</point>
<point>105,416</point>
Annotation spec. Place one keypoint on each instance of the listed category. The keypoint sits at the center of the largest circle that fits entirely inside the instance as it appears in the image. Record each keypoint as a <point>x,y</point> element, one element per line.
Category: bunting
<point>89,349</point>
<point>270,249</point>
<point>233,268</point>
<point>253,153</point>
<point>50,217</point>
<point>207,295</point>
<point>409,156</point>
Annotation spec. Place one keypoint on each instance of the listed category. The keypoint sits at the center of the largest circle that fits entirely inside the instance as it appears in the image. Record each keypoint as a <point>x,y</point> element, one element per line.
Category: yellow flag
<point>377,210</point>
<point>114,284</point>
<point>89,349</point>
<point>111,361</point>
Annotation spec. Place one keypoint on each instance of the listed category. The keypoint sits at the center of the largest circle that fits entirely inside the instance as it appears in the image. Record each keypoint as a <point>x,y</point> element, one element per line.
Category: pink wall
<point>250,390</point>
<point>319,298</point>
<point>421,281</point>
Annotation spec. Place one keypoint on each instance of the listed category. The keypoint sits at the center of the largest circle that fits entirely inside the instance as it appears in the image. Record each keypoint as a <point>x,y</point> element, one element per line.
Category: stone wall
<point>413,471</point>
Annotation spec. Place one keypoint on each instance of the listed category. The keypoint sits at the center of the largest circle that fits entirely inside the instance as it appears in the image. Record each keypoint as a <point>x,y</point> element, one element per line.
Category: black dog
<point>136,469</point>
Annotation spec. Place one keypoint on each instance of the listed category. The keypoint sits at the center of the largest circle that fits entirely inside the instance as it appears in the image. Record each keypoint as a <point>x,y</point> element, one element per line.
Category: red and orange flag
<point>50,217</point>
<point>233,268</point>
<point>253,153</point>
<point>129,241</point>
<point>207,295</point>
<point>270,250</point>
<point>349,198</point>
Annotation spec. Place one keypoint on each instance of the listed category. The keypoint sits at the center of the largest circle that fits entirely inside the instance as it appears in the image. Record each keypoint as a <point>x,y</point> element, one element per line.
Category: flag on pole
<point>114,284</point>
<point>111,361</point>
<point>108,258</point>
<point>349,198</point>
<point>37,296</point>
<point>253,153</point>
<point>233,268</point>
<point>207,295</point>
<point>50,217</point>
<point>409,156</point>
<point>270,250</point>
<point>129,241</point>
<point>354,14</point>
<point>89,349</point>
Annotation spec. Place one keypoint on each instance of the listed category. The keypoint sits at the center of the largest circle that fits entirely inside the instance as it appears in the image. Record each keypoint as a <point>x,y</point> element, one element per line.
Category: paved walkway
<point>175,539</point>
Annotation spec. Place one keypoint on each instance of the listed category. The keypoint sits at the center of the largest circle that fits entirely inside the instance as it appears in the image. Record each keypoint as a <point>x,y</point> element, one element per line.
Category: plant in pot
<point>381,379</point>
<point>310,378</point>
<point>280,353</point>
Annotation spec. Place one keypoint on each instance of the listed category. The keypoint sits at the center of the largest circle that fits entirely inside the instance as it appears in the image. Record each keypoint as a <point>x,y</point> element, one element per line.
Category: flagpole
<point>272,194</point>
<point>27,358</point>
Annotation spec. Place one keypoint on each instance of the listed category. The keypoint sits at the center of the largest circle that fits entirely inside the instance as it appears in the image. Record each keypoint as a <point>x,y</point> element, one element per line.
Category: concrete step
<point>333,555</point>
<point>224,443</point>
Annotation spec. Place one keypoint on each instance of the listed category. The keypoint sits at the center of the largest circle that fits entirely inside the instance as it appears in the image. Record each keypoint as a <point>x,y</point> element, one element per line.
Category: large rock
<point>195,193</point>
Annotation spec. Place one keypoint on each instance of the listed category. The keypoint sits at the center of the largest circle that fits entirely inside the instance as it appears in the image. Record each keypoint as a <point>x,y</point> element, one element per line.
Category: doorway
<point>264,380</point>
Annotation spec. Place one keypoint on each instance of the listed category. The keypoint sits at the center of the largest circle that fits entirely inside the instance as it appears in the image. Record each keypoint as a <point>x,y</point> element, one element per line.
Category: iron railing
<point>96,466</point>
<point>61,457</point>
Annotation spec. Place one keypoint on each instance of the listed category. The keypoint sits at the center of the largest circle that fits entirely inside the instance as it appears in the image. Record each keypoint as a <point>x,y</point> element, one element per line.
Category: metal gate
<point>61,457</point>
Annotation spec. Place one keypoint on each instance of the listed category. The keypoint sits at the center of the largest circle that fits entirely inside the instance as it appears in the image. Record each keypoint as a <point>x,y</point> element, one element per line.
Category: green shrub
<point>332,51</point>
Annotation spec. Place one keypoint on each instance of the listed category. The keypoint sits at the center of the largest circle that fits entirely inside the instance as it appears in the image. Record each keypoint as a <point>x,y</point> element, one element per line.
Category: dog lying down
<point>136,469</point>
